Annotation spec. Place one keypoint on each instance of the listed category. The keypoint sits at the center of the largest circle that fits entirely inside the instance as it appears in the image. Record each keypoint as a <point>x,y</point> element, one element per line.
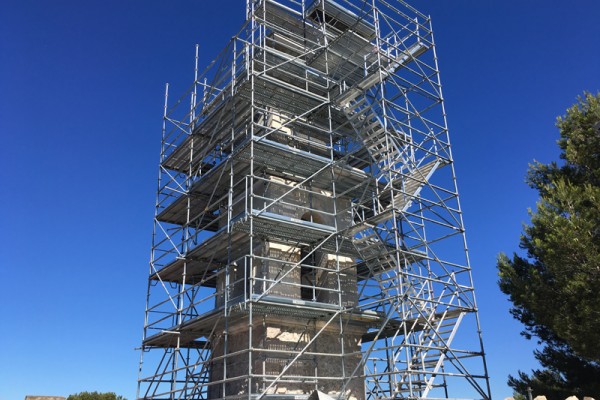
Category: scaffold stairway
<point>382,144</point>
<point>428,354</point>
<point>412,184</point>
<point>368,242</point>
<point>374,76</point>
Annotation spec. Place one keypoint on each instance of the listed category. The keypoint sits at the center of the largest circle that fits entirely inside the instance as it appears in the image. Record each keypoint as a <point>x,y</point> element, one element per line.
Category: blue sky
<point>81,88</point>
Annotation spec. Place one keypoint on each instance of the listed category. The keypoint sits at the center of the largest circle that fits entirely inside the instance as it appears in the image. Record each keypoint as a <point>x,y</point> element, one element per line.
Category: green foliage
<point>565,374</point>
<point>95,396</point>
<point>555,289</point>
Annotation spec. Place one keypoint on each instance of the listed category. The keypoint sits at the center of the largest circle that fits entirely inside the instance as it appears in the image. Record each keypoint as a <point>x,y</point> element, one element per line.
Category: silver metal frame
<point>342,101</point>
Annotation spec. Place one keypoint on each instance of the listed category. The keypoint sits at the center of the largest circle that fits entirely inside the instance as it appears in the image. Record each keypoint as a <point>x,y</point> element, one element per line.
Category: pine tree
<point>95,396</point>
<point>555,288</point>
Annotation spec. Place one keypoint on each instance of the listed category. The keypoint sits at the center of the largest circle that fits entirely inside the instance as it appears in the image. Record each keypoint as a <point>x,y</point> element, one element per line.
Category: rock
<point>44,398</point>
<point>540,398</point>
<point>572,398</point>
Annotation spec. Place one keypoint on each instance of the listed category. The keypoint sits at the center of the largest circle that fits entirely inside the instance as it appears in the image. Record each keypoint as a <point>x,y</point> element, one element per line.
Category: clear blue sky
<point>81,86</point>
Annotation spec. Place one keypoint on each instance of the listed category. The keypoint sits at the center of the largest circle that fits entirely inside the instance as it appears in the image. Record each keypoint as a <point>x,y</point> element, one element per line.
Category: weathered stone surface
<point>300,348</point>
<point>318,395</point>
<point>540,398</point>
<point>276,341</point>
<point>572,398</point>
<point>588,398</point>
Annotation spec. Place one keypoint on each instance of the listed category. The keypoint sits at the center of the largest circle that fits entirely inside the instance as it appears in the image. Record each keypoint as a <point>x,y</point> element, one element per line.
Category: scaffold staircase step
<point>414,389</point>
<point>362,111</point>
<point>412,184</point>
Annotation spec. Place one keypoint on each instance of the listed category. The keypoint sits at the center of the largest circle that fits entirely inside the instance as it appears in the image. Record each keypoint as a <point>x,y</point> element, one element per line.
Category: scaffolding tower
<point>308,239</point>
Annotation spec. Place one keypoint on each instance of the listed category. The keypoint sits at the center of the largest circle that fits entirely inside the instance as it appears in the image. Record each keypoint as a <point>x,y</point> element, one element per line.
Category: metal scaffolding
<point>308,238</point>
